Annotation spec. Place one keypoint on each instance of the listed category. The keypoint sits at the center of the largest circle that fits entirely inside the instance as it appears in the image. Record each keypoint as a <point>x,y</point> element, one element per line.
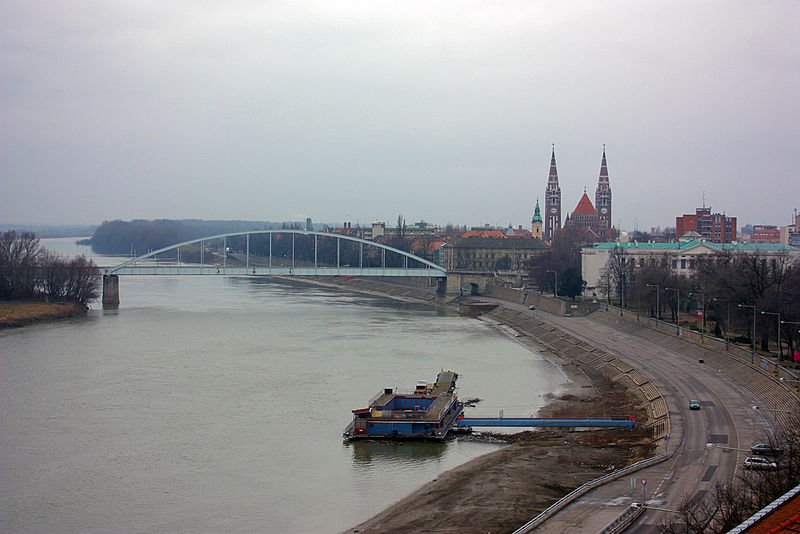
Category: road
<point>726,419</point>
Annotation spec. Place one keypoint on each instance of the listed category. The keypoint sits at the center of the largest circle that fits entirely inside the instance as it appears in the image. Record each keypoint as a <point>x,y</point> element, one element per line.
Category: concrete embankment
<point>566,350</point>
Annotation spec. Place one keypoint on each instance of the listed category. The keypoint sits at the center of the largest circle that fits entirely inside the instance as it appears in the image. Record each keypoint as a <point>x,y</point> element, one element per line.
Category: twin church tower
<point>593,220</point>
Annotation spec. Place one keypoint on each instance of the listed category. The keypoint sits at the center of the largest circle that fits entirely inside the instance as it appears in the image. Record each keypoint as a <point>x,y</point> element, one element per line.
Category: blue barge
<point>428,412</point>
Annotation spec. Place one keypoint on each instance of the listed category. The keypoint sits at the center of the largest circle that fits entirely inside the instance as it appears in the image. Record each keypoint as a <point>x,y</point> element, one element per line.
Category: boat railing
<point>402,414</point>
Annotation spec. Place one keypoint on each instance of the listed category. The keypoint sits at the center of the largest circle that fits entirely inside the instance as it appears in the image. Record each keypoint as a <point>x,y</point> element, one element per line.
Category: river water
<point>211,404</point>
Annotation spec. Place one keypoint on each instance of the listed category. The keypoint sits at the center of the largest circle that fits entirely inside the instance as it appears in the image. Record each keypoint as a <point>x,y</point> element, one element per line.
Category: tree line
<point>29,271</point>
<point>140,236</point>
<point>723,294</point>
<point>729,290</point>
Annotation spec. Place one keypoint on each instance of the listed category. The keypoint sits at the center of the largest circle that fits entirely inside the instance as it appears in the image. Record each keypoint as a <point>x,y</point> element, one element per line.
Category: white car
<point>755,462</point>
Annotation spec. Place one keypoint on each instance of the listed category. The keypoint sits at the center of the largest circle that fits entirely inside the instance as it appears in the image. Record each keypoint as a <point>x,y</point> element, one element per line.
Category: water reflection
<point>365,452</point>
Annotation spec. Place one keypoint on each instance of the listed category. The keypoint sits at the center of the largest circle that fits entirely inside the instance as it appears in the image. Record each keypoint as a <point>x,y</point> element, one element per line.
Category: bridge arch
<point>430,269</point>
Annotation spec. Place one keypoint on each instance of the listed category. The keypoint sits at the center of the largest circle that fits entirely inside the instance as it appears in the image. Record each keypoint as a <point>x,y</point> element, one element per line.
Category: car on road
<point>531,307</point>
<point>756,462</point>
<point>765,449</point>
<point>694,404</point>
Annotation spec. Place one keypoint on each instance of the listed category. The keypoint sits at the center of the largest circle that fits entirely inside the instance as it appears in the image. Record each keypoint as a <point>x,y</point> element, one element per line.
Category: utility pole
<point>728,323</point>
<point>753,353</point>
<point>658,301</point>
<point>555,289</point>
<point>678,312</point>
<point>780,349</point>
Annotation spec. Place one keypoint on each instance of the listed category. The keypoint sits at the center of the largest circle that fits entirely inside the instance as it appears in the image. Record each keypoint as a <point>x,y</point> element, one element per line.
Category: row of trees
<point>28,271</point>
<point>723,294</point>
<point>728,290</point>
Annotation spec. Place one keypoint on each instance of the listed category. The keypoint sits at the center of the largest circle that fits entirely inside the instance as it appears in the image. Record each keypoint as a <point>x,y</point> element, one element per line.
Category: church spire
<point>602,199</point>
<point>603,167</point>
<point>553,170</point>
<point>552,201</point>
<point>536,222</point>
<point>537,214</point>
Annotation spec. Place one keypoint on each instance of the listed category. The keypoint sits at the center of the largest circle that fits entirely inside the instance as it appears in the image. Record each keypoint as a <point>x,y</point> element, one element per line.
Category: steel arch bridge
<point>147,264</point>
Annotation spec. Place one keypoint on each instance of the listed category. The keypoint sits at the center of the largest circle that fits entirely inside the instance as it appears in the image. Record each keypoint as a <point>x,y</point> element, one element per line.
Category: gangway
<point>543,422</point>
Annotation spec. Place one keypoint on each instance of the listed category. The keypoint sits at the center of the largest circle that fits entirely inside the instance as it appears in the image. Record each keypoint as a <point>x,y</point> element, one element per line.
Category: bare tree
<point>731,504</point>
<point>617,274</point>
<point>19,257</point>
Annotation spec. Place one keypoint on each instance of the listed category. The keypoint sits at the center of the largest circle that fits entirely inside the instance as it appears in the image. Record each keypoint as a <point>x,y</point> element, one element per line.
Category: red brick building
<point>763,233</point>
<point>714,227</point>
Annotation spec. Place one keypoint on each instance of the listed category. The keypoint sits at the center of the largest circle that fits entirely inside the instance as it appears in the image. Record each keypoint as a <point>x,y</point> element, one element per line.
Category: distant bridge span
<point>286,265</point>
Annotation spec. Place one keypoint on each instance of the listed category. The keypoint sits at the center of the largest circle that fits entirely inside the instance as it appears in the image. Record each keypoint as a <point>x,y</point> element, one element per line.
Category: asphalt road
<point>711,442</point>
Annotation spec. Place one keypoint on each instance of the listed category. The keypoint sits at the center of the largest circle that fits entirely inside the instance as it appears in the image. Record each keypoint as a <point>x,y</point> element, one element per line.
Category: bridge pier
<point>110,291</point>
<point>441,286</point>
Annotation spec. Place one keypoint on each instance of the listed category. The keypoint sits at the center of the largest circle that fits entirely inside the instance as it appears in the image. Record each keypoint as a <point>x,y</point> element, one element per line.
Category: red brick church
<point>594,220</point>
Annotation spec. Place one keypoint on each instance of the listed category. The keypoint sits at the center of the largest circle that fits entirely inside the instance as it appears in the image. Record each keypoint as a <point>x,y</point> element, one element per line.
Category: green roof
<point>685,245</point>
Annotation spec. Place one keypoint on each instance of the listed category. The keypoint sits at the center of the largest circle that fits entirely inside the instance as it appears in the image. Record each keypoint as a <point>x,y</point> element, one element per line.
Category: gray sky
<point>358,111</point>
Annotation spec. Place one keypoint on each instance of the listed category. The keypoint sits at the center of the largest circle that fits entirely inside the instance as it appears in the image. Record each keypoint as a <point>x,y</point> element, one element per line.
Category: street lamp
<point>780,349</point>
<point>728,323</point>
<point>753,353</point>
<point>703,313</point>
<point>555,289</point>
<point>789,356</point>
<point>678,313</point>
<point>658,301</point>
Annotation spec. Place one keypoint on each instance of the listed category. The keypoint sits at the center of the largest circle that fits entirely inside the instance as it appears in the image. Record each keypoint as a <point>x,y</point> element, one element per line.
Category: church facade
<point>593,220</point>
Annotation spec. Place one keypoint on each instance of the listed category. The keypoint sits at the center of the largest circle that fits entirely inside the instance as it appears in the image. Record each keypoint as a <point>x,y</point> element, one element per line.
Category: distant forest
<point>140,236</point>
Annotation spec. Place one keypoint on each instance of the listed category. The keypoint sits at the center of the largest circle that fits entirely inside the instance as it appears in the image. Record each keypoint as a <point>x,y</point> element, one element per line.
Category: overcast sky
<point>360,111</point>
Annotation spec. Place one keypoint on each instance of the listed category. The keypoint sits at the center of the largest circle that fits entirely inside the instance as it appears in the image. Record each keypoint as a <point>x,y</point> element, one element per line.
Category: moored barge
<point>428,412</point>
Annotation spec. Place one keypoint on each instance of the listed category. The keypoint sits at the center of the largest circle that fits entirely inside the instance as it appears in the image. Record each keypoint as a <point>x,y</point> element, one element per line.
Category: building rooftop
<point>685,245</point>
<point>584,206</point>
<point>495,242</point>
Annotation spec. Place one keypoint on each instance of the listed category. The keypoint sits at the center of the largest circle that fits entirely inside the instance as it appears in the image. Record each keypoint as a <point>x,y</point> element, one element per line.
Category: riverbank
<point>24,312</point>
<point>503,490</point>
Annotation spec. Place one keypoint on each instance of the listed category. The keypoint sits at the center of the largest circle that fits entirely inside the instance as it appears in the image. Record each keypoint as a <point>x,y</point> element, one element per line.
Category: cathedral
<point>594,220</point>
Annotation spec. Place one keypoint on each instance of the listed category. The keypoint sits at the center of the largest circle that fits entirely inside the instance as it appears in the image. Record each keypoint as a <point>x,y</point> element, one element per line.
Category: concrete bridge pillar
<point>441,286</point>
<point>110,291</point>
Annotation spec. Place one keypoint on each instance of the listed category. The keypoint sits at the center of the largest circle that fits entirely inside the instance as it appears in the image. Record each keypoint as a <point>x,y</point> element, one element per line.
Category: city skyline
<point>359,112</point>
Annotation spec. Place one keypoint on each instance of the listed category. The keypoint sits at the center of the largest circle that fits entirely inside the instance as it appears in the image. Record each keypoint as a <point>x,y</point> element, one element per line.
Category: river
<point>210,404</point>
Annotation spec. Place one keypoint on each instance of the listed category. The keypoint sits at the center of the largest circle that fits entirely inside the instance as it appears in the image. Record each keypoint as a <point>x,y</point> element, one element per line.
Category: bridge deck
<point>218,270</point>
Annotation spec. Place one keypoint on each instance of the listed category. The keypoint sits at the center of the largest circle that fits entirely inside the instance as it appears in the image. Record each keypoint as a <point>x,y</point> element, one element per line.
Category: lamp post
<point>678,312</point>
<point>788,348</point>
<point>753,353</point>
<point>658,301</point>
<point>702,313</point>
<point>555,289</point>
<point>728,321</point>
<point>780,349</point>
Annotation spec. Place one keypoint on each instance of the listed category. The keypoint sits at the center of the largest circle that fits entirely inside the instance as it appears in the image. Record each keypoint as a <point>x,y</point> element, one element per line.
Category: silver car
<point>755,462</point>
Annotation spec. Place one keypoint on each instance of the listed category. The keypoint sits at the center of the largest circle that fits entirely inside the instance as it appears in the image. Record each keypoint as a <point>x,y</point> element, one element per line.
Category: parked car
<point>531,307</point>
<point>694,404</point>
<point>764,449</point>
<point>756,462</point>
